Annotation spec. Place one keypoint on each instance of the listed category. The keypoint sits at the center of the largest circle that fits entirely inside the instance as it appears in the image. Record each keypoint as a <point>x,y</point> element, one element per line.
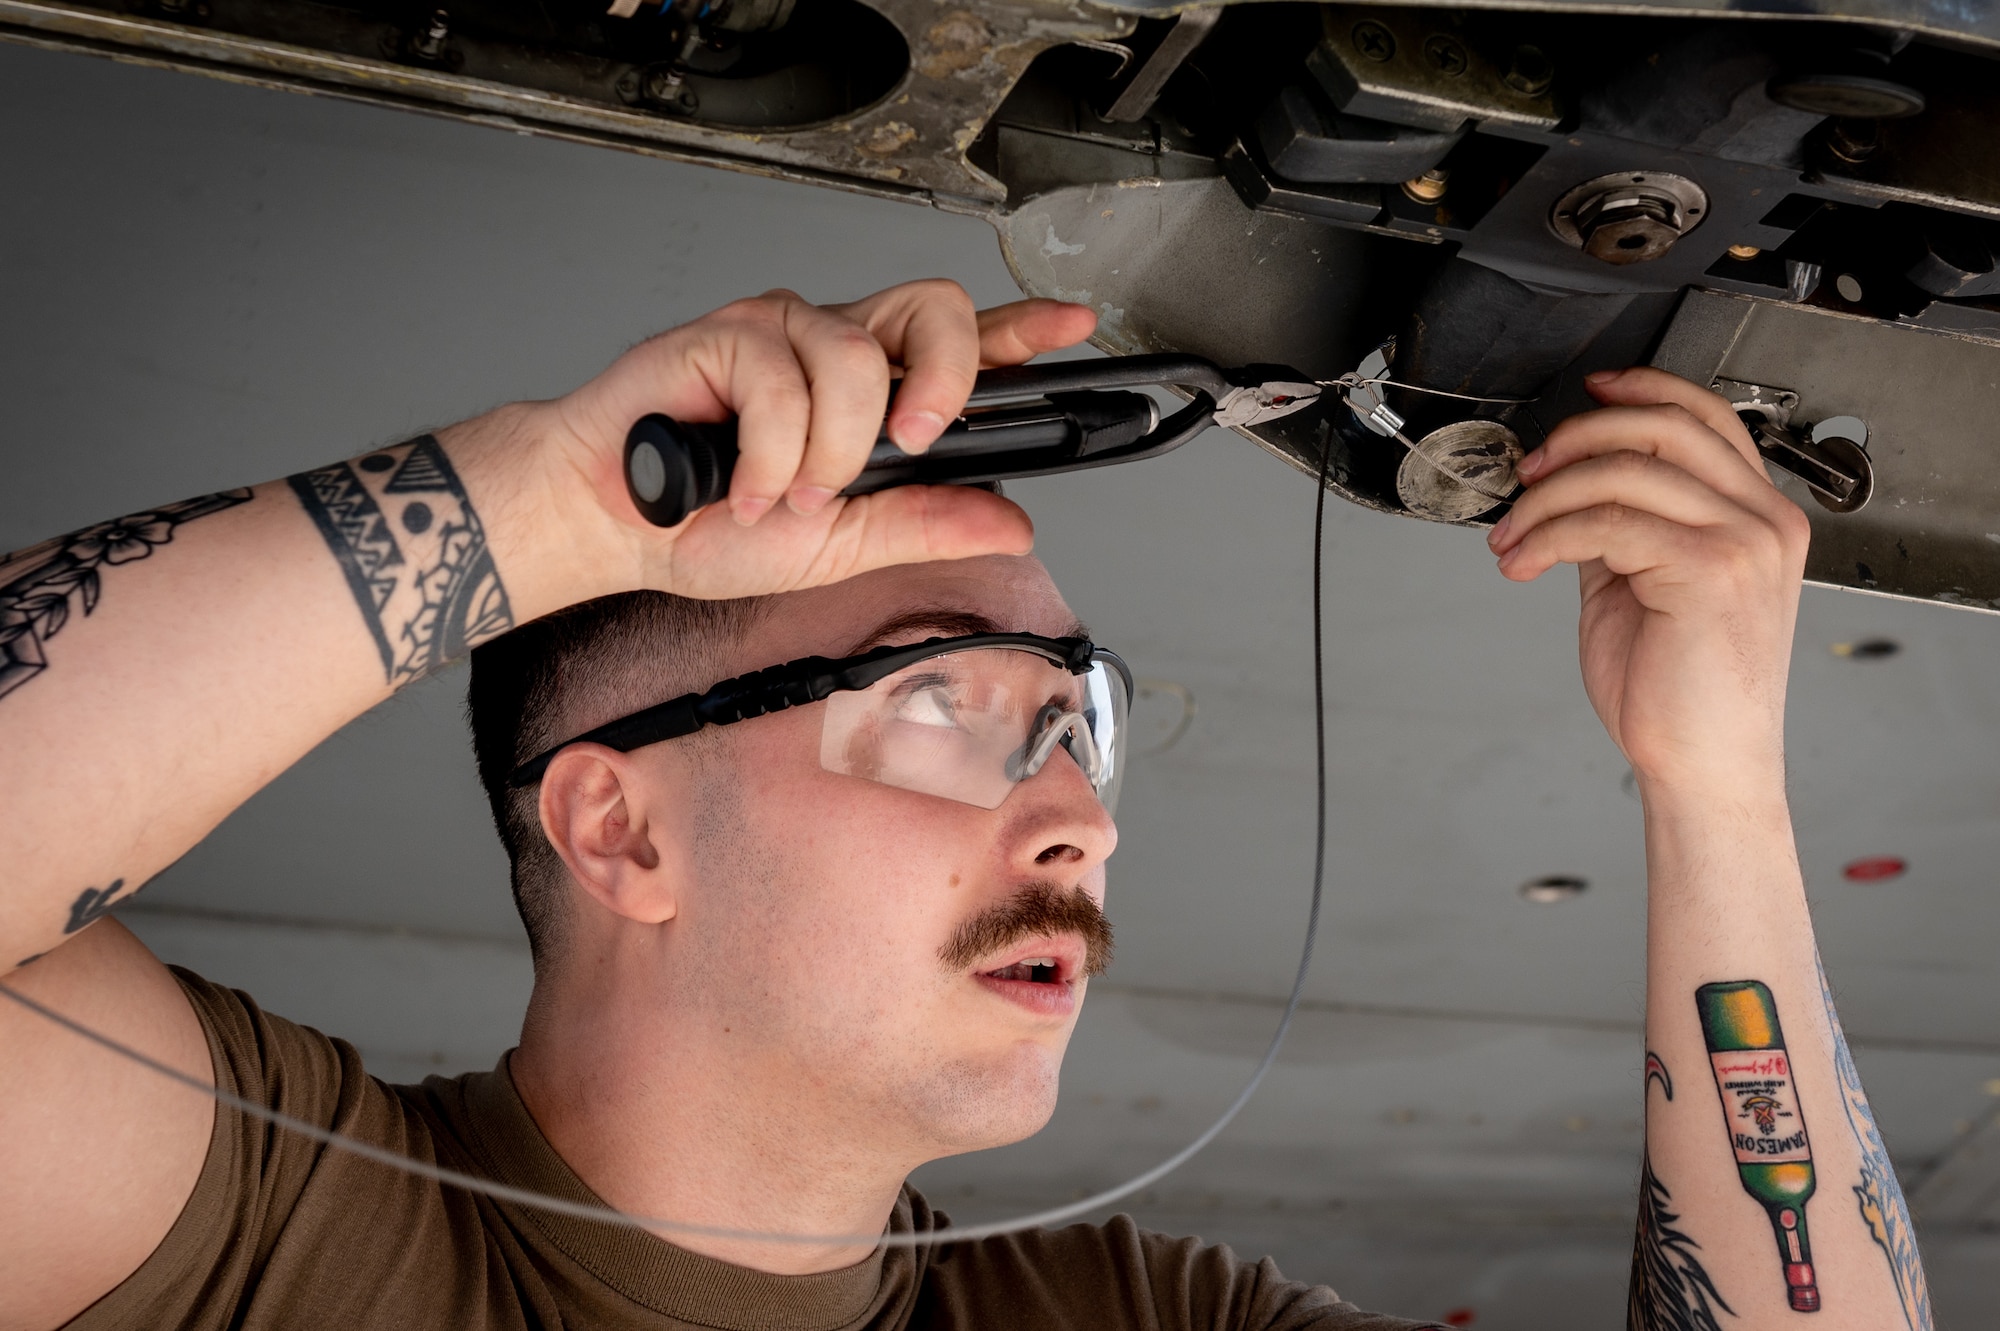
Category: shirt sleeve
<point>257,1178</point>
<point>1118,1275</point>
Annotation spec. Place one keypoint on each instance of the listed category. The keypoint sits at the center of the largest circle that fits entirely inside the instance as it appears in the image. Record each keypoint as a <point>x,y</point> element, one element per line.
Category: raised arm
<point>156,670</point>
<point>1766,1199</point>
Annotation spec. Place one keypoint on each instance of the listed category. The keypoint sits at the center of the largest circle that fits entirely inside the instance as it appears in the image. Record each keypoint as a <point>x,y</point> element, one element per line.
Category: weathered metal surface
<point>1931,530</point>
<point>963,60</point>
<point>1971,21</point>
<point>1948,157</point>
<point>1393,64</point>
<point>1269,288</point>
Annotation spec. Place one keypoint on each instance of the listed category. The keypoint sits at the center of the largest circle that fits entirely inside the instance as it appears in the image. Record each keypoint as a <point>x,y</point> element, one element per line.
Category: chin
<point>976,1107</point>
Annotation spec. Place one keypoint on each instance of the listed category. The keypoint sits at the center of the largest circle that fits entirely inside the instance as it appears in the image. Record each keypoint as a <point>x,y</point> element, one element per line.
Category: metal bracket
<point>1831,458</point>
<point>1191,29</point>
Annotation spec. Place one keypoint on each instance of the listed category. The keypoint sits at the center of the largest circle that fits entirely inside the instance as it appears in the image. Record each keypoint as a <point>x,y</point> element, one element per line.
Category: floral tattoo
<point>40,585</point>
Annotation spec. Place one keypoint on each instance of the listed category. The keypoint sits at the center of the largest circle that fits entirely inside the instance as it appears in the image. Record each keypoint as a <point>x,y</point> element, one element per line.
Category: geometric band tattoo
<point>414,553</point>
<point>40,584</point>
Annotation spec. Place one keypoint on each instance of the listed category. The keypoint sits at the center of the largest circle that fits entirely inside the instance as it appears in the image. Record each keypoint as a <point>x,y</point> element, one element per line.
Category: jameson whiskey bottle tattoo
<point>1760,1106</point>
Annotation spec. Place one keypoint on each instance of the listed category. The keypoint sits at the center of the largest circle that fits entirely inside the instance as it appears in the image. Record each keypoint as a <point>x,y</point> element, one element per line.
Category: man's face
<point>865,951</point>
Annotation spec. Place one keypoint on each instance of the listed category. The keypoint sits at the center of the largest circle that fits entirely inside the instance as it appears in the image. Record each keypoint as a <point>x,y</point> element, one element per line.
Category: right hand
<point>809,385</point>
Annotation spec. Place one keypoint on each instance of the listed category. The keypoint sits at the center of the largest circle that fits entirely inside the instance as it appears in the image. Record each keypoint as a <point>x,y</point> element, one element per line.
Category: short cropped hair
<point>558,676</point>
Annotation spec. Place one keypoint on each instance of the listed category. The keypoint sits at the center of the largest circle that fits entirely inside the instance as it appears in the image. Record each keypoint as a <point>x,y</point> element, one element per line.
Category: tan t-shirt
<point>283,1232</point>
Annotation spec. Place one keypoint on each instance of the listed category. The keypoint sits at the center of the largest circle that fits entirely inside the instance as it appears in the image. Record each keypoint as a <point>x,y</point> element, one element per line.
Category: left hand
<point>1690,563</point>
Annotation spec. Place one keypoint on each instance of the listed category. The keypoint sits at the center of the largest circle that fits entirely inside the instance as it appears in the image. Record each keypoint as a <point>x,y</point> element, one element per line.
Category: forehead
<point>1011,594</point>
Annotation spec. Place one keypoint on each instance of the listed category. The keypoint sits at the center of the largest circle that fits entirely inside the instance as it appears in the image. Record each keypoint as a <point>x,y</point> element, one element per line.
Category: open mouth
<point>1045,982</point>
<point>1033,970</point>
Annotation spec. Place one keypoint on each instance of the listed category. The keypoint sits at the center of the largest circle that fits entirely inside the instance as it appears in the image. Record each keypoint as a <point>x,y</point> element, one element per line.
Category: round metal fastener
<point>1446,55</point>
<point>1430,186</point>
<point>1628,217</point>
<point>1480,454</point>
<point>1374,41</point>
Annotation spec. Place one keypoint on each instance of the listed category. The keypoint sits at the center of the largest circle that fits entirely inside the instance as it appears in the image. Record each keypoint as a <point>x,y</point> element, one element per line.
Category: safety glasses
<point>964,718</point>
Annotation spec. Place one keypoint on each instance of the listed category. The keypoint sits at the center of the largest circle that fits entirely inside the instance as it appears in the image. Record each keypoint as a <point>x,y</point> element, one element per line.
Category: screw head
<point>1446,55</point>
<point>1744,251</point>
<point>1374,41</point>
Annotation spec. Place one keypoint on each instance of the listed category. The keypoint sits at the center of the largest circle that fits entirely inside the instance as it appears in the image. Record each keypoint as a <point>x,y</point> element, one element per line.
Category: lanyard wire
<point>1346,386</point>
<point>991,1229</point>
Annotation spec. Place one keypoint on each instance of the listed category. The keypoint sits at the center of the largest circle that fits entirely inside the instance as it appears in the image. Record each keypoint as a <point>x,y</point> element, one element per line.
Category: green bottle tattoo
<point>1760,1108</point>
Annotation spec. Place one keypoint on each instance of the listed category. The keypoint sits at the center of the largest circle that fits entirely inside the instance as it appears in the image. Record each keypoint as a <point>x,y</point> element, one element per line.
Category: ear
<point>602,816</point>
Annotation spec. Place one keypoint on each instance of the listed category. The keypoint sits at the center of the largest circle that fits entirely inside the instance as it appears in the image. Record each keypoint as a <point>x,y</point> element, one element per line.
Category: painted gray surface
<point>202,285</point>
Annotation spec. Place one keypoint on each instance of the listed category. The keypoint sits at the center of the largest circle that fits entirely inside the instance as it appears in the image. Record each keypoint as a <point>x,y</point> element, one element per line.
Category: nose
<point>1056,820</point>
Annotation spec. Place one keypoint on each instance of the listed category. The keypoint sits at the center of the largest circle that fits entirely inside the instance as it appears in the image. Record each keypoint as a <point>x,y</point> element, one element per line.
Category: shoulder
<point>1119,1275</point>
<point>275,1209</point>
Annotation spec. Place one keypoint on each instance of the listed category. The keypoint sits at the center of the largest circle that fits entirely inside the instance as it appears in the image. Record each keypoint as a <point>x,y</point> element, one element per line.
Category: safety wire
<point>1347,383</point>
<point>1039,1219</point>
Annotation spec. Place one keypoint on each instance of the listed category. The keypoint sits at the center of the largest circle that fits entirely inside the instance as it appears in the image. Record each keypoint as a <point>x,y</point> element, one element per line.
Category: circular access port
<point>1459,471</point>
<point>1629,217</point>
<point>804,63</point>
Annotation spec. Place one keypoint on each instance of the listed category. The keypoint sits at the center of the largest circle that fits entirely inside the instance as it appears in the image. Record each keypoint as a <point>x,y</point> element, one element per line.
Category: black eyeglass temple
<point>795,683</point>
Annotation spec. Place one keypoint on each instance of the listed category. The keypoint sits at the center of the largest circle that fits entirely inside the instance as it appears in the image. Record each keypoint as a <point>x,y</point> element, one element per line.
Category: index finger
<point>1642,385</point>
<point>1666,430</point>
<point>1023,330</point>
<point>930,329</point>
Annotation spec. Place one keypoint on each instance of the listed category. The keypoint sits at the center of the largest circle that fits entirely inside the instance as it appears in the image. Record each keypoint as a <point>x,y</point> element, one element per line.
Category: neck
<point>663,1116</point>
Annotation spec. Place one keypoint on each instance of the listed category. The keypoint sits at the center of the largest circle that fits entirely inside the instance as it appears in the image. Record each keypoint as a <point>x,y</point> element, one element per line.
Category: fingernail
<point>1526,467</point>
<point>1602,376</point>
<point>918,429</point>
<point>747,511</point>
<point>806,500</point>
<point>1499,532</point>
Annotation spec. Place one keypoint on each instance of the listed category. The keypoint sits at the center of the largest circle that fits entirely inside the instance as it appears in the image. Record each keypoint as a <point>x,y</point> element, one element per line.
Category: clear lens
<point>964,725</point>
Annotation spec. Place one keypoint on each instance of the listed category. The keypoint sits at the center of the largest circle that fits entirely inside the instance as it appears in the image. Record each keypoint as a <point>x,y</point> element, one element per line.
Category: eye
<point>927,703</point>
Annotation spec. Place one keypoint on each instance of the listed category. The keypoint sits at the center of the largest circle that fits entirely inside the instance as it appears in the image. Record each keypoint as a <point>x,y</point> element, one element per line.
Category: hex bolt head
<point>1629,217</point>
<point>1430,186</point>
<point>428,43</point>
<point>1374,41</point>
<point>1628,235</point>
<point>1530,71</point>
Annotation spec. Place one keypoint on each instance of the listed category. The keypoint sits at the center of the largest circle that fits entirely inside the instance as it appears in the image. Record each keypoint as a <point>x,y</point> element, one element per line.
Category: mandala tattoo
<point>40,585</point>
<point>414,553</point>
<point>1670,1290</point>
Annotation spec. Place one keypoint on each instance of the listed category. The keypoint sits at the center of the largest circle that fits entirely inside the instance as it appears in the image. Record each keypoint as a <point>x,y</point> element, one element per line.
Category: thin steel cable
<point>1352,381</point>
<point>1346,386</point>
<point>991,1229</point>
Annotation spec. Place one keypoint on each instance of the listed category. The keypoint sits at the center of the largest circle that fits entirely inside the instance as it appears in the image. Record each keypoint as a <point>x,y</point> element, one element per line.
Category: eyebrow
<point>943,622</point>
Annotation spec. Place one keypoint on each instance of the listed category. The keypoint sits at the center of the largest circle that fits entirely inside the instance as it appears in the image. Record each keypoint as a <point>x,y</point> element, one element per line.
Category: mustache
<point>1036,911</point>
